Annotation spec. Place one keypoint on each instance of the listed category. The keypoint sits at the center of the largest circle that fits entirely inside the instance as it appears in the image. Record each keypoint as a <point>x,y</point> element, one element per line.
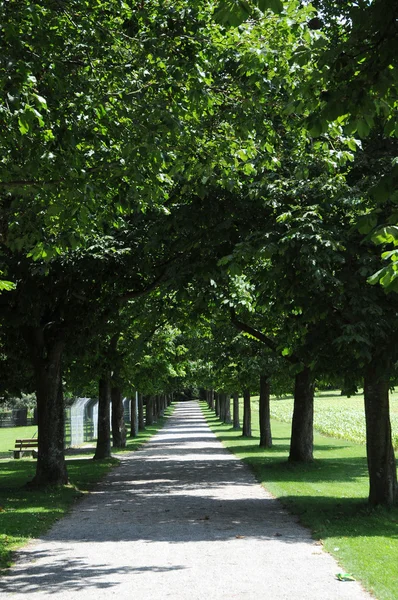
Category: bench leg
<point>17,453</point>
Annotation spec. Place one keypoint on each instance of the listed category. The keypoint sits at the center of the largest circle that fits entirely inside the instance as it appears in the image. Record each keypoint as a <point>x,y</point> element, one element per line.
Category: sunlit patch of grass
<point>8,435</point>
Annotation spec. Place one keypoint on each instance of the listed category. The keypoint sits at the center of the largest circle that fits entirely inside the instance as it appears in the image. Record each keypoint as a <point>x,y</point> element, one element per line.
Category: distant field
<point>337,416</point>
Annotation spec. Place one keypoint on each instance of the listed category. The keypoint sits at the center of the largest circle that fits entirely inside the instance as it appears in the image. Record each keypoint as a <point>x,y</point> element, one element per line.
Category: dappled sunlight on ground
<point>181,518</point>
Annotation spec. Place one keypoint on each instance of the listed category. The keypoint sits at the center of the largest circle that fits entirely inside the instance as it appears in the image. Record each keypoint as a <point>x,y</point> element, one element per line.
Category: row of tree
<point>197,193</point>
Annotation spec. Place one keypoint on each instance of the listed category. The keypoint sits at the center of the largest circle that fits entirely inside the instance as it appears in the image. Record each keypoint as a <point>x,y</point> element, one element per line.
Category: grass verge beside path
<point>329,496</point>
<point>26,514</point>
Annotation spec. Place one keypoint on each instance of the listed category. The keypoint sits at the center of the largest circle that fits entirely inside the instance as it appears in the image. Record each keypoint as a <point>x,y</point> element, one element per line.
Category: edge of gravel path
<point>288,508</point>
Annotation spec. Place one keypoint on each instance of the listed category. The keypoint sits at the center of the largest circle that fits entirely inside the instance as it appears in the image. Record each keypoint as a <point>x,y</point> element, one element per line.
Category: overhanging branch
<point>151,286</point>
<point>44,183</point>
<point>258,335</point>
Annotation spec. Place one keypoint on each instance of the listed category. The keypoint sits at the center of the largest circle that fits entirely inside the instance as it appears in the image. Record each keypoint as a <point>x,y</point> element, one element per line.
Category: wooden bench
<point>27,444</point>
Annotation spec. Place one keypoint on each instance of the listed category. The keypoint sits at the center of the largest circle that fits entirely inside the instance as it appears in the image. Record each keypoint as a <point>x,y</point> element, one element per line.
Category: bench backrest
<point>27,442</point>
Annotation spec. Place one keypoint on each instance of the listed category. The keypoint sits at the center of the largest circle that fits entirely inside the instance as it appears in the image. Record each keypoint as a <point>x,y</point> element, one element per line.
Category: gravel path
<point>182,518</point>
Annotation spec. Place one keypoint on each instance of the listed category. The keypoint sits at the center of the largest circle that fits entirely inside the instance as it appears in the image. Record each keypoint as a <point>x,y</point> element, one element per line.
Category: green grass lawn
<point>26,514</point>
<point>8,435</point>
<point>329,495</point>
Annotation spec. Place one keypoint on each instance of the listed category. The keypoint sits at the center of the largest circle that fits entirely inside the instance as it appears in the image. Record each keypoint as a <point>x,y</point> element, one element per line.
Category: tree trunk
<point>46,358</point>
<point>227,410</point>
<point>211,403</point>
<point>103,449</point>
<point>149,410</point>
<point>217,404</point>
<point>118,425</point>
<point>141,418</point>
<point>380,452</point>
<point>302,439</point>
<point>155,408</point>
<point>161,405</point>
<point>265,419</point>
<point>222,399</point>
<point>235,412</point>
<point>247,417</point>
<point>134,415</point>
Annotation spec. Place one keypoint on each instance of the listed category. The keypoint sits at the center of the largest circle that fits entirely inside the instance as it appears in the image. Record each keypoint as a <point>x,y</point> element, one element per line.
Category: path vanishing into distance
<point>181,518</point>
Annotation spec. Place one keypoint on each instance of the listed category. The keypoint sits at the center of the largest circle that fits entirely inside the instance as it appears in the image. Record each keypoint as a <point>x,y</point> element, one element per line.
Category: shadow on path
<point>170,515</point>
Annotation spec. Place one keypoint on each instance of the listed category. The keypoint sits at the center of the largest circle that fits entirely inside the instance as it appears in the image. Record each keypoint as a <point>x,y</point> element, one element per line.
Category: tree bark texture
<point>247,416</point>
<point>134,416</point>
<point>46,358</point>
<point>380,452</point>
<point>302,438</point>
<point>225,407</point>
<point>141,417</point>
<point>227,410</point>
<point>264,413</point>
<point>222,399</point>
<point>211,400</point>
<point>156,408</point>
<point>103,449</point>
<point>162,404</point>
<point>150,400</point>
<point>118,424</point>
<point>235,411</point>
<point>217,404</point>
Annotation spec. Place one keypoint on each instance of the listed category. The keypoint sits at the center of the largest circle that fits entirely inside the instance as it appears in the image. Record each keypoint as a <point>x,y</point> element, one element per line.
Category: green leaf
<point>234,269</point>
<point>249,169</point>
<point>225,260</point>
<point>345,577</point>
<point>389,276</point>
<point>6,286</point>
<point>352,144</point>
<point>373,279</point>
<point>23,125</point>
<point>380,192</point>
<point>275,5</point>
<point>391,255</point>
<point>366,223</point>
<point>386,235</point>
<point>42,102</point>
<point>232,12</point>
<point>54,210</point>
<point>314,126</point>
<point>362,128</point>
<point>48,135</point>
<point>284,217</point>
